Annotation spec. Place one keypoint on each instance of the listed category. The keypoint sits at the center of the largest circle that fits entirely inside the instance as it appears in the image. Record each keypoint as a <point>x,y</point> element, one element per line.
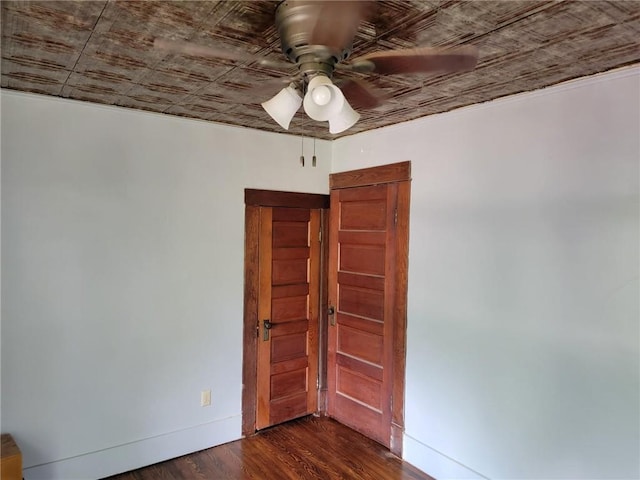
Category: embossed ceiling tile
<point>532,61</point>
<point>47,46</point>
<point>611,36</point>
<point>246,25</point>
<point>253,110</point>
<point>406,96</point>
<point>563,20</point>
<point>125,39</point>
<point>103,52</point>
<point>445,90</point>
<point>22,62</point>
<point>120,81</point>
<point>144,101</point>
<point>126,31</point>
<point>171,17</point>
<point>91,97</point>
<point>618,11</point>
<point>451,80</point>
<point>631,31</point>
<point>217,101</point>
<point>190,111</point>
<point>498,13</point>
<point>600,61</point>
<point>454,24</point>
<point>91,93</point>
<point>542,77</point>
<point>170,84</point>
<point>471,18</point>
<point>383,109</point>
<point>237,97</point>
<point>202,109</point>
<point>45,31</point>
<point>29,70</point>
<point>594,55</point>
<point>72,18</point>
<point>158,95</point>
<point>24,46</point>
<point>504,42</point>
<point>31,82</point>
<point>186,69</point>
<point>79,86</point>
<point>393,15</point>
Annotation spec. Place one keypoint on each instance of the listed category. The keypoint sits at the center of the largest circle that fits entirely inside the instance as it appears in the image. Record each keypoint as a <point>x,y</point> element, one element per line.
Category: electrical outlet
<point>205,398</point>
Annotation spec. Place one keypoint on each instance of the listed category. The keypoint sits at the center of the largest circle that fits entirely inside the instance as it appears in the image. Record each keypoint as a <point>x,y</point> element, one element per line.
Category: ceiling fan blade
<point>418,60</point>
<point>336,22</point>
<point>360,94</point>
<point>195,50</point>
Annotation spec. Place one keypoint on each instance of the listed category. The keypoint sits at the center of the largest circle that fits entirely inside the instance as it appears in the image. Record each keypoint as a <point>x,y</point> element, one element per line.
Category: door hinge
<point>395,217</point>
<point>257,328</point>
<point>320,236</point>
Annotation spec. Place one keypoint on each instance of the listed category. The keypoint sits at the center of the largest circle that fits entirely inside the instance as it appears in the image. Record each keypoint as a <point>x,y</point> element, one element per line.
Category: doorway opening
<point>335,346</point>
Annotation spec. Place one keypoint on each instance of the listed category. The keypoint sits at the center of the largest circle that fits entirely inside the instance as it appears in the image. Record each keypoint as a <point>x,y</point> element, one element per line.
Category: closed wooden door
<point>289,275</point>
<point>367,295</point>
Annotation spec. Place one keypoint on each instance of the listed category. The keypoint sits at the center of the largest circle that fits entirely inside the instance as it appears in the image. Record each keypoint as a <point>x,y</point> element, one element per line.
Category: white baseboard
<point>138,454</point>
<point>434,463</point>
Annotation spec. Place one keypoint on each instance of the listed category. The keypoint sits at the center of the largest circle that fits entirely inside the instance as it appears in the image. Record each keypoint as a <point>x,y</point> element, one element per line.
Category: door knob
<point>330,311</point>
<point>267,326</point>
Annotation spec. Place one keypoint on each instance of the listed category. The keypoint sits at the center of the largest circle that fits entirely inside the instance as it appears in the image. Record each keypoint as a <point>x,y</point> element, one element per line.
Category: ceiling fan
<point>317,36</point>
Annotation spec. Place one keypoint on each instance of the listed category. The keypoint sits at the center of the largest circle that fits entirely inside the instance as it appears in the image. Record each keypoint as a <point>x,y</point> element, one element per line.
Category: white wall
<point>523,338</point>
<point>122,276</point>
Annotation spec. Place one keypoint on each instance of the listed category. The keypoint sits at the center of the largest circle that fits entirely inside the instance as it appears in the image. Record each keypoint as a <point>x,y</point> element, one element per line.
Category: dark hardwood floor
<point>308,448</point>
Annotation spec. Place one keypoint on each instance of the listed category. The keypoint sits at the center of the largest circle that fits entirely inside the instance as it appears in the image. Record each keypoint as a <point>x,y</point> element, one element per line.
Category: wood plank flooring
<point>307,448</point>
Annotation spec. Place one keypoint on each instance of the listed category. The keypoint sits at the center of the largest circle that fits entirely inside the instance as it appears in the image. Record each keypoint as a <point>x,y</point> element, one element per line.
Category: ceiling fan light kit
<point>317,35</point>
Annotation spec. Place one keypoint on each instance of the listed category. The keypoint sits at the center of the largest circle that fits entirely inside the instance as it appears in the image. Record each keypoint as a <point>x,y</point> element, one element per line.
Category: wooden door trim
<point>399,173</point>
<point>254,199</point>
<point>323,332</point>
<point>400,330</point>
<point>270,198</point>
<point>250,333</point>
<point>394,172</point>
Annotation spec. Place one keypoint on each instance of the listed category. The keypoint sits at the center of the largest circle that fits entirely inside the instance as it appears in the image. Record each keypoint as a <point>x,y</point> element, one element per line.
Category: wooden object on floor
<point>10,459</point>
<point>304,449</point>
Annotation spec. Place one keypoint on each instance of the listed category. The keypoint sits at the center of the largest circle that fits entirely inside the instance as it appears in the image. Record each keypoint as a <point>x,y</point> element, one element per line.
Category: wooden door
<point>289,276</point>
<point>367,293</point>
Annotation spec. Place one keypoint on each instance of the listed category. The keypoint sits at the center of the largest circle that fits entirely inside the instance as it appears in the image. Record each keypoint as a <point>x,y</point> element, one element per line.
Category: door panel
<point>361,287</point>
<point>361,276</point>
<point>289,255</point>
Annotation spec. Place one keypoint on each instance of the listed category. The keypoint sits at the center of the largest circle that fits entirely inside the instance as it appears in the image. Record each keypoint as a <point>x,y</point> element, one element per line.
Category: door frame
<point>254,199</point>
<point>399,173</point>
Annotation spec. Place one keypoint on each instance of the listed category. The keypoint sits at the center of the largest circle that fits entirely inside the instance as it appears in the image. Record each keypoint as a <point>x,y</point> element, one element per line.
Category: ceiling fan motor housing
<point>295,21</point>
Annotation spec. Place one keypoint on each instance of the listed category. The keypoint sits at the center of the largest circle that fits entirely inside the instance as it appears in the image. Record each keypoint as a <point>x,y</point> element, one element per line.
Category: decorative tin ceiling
<point>102,51</point>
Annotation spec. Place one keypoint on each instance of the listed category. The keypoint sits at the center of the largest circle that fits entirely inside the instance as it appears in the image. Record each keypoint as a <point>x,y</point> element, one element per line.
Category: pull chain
<point>302,131</point>
<point>313,160</point>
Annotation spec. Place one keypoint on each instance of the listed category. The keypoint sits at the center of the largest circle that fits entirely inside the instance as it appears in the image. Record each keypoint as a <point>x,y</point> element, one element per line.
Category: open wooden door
<point>368,256</point>
<point>283,296</point>
<point>288,314</point>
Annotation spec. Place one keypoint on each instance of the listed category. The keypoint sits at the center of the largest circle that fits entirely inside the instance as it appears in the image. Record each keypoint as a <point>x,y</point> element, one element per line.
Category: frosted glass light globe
<point>321,95</point>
